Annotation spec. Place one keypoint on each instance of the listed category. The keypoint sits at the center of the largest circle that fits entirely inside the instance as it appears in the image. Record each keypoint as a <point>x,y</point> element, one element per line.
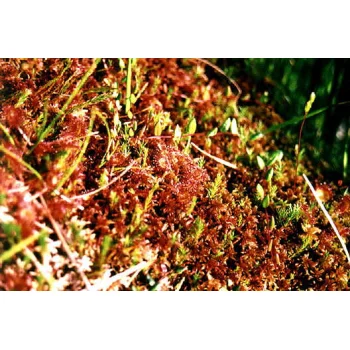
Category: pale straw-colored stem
<point>217,159</point>
<point>327,216</point>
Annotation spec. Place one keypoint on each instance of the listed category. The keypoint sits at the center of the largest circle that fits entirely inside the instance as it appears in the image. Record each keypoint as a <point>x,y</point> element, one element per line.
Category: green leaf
<point>18,248</point>
<point>269,174</point>
<point>2,198</point>
<point>226,126</point>
<point>106,245</point>
<point>191,126</point>
<point>292,121</point>
<point>158,129</point>
<point>234,128</point>
<point>23,97</point>
<point>257,136</point>
<point>133,99</point>
<point>274,157</point>
<point>121,64</point>
<point>260,192</point>
<point>266,201</point>
<point>261,163</point>
<point>212,132</point>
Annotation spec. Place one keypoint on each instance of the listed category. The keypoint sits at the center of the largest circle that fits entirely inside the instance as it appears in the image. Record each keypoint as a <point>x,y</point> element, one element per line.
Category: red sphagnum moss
<point>94,195</point>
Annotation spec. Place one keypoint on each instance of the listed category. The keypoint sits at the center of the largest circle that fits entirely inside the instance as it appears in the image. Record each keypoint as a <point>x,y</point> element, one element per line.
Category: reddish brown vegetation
<point>194,225</point>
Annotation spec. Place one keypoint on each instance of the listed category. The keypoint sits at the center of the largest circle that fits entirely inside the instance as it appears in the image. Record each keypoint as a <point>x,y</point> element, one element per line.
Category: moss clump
<point>98,162</point>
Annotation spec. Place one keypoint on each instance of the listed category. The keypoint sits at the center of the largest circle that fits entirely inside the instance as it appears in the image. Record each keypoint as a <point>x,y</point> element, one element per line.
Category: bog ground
<point>159,174</point>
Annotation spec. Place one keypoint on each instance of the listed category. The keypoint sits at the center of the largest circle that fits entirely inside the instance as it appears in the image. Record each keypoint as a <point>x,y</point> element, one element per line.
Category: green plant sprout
<point>77,161</point>
<point>21,161</point>
<point>7,134</point>
<point>190,129</point>
<point>129,98</point>
<point>288,213</point>
<point>146,175</point>
<point>307,110</point>
<point>18,247</point>
<point>213,190</point>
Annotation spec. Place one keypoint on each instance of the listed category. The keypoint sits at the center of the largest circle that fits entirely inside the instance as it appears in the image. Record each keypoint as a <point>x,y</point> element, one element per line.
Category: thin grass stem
<point>21,161</point>
<point>16,248</point>
<point>49,279</point>
<point>327,216</point>
<point>8,135</point>
<point>71,169</point>
<point>128,88</point>
<point>86,195</point>
<point>61,113</point>
<point>217,159</point>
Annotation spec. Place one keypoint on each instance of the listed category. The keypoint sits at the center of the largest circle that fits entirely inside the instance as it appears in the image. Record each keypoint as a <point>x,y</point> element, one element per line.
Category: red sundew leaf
<point>32,66</point>
<point>308,263</point>
<point>59,208</point>
<point>344,232</point>
<point>343,205</point>
<point>35,102</point>
<point>9,77</point>
<point>25,213</point>
<point>212,285</point>
<point>53,147</point>
<point>325,192</point>
<point>342,277</point>
<point>14,117</point>
<point>14,278</point>
<point>74,127</point>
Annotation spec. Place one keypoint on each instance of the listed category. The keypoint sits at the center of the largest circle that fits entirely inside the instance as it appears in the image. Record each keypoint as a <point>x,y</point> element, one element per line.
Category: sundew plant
<point>164,175</point>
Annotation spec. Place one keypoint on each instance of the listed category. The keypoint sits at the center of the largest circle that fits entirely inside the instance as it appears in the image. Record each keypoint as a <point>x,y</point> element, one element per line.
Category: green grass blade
<point>6,132</point>
<point>292,121</point>
<point>106,156</point>
<point>346,155</point>
<point>128,88</point>
<point>62,112</point>
<point>296,120</point>
<point>18,247</point>
<point>71,169</point>
<point>21,161</point>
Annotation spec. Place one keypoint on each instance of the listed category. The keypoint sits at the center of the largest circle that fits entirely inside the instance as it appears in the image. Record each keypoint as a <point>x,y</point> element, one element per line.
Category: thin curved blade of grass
<point>7,134</point>
<point>93,101</point>
<point>107,154</point>
<point>292,121</point>
<point>71,169</point>
<point>128,88</point>
<point>295,120</point>
<point>219,70</point>
<point>346,155</point>
<point>48,278</point>
<point>21,161</point>
<point>86,195</point>
<point>8,254</point>
<point>327,216</point>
